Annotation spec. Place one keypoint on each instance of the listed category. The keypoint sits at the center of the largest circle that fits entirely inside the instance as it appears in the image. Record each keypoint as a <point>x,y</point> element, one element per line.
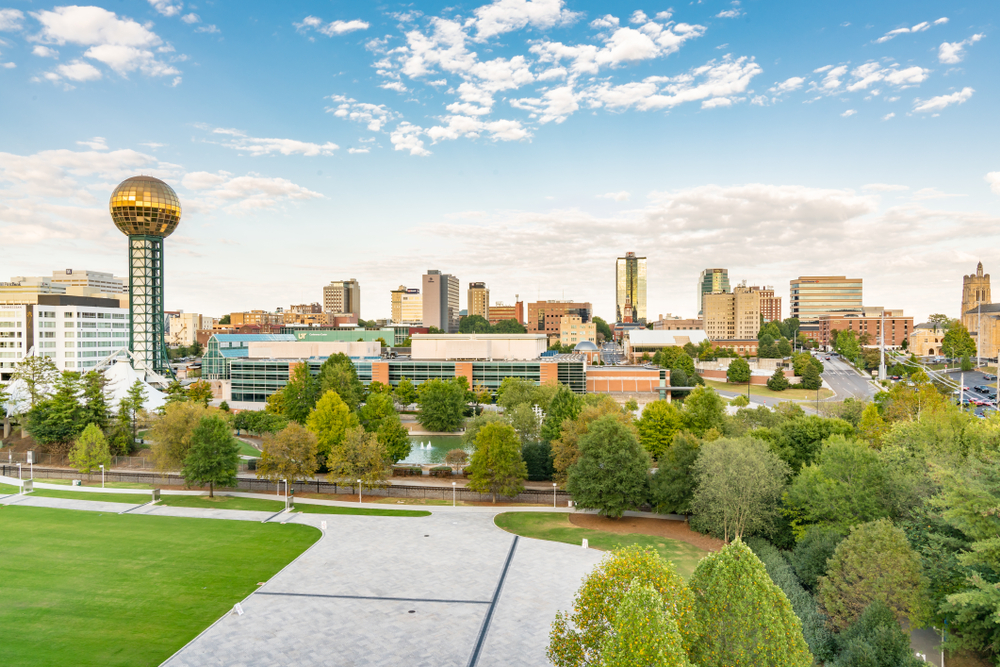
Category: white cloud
<point>503,16</point>
<point>884,187</point>
<point>848,113</point>
<point>44,52</point>
<point>617,196</point>
<point>954,52</point>
<point>330,29</point>
<point>97,144</point>
<point>872,72</point>
<point>166,7</point>
<point>639,16</point>
<point>394,85</point>
<point>940,102</point>
<point>10,20</point>
<point>8,65</point>
<point>125,59</point>
<point>77,70</point>
<point>211,29</point>
<point>920,27</point>
<point>606,21</point>
<point>242,193</point>
<point>832,79</point>
<point>374,116</point>
<point>932,193</point>
<point>258,146</point>
<point>406,137</point>
<point>354,151</point>
<point>153,145</point>
<point>191,18</point>
<point>888,116</point>
<point>788,85</point>
<point>993,178</point>
<point>729,14</point>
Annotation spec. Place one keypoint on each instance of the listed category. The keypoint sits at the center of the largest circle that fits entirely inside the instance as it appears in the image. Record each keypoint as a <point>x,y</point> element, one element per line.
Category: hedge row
<point>413,471</point>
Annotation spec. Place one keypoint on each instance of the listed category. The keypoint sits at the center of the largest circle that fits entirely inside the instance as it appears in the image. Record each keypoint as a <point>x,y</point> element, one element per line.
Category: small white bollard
<point>322,525</point>
<point>569,503</point>
<point>77,482</point>
<point>239,608</point>
<point>585,543</point>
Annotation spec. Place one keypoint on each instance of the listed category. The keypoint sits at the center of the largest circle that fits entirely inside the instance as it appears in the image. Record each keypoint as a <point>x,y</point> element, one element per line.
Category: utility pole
<point>881,352</point>
<point>979,333</point>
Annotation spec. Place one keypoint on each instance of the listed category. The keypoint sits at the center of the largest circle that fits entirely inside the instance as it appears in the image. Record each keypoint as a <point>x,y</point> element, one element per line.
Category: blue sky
<point>524,143</point>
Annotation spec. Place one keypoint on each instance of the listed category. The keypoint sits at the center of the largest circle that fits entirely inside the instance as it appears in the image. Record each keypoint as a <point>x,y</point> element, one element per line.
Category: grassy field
<point>127,498</point>
<point>557,528</point>
<point>6,489</point>
<point>223,503</point>
<point>432,502</point>
<point>246,449</point>
<point>82,588</point>
<point>108,485</point>
<point>761,390</point>
<point>361,511</point>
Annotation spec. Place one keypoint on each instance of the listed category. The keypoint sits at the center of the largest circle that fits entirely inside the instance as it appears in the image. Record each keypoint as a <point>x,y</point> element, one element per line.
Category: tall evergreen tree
<point>95,400</point>
<point>90,451</point>
<point>56,421</point>
<point>214,456</point>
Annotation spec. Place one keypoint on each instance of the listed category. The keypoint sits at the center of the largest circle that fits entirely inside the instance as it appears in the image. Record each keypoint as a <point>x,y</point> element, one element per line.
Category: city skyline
<point>564,134</point>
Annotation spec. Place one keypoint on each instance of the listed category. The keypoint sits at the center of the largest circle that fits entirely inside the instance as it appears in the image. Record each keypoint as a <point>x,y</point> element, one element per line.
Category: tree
<point>56,421</point>
<point>515,391</point>
<point>810,378</point>
<point>564,405</point>
<point>196,349</point>
<point>799,440</point>
<point>659,423</point>
<point>442,404</point>
<point>672,488</point>
<point>405,392</point>
<point>330,421</point>
<point>564,450</point>
<point>377,408</point>
<point>745,619</point>
<point>784,348</point>
<point>510,326</point>
<point>132,403</point>
<point>38,375</point>
<point>643,632</point>
<point>473,425</point>
<point>778,381</point>
<point>214,455</point>
<point>876,640</point>
<point>496,467</point>
<point>359,456</point>
<point>739,483</point>
<point>171,433</point>
<point>338,374</point>
<point>524,420</point>
<point>95,400</point>
<point>394,437</point>
<point>480,394</point>
<point>200,392</point>
<point>456,458</point>
<point>91,450</point>
<point>703,410</point>
<point>846,486</point>
<point>603,329</point>
<point>176,393</point>
<point>576,638</point>
<point>224,319</point>
<point>474,324</point>
<point>957,342</point>
<point>538,458</point>
<point>812,552</point>
<point>872,427</point>
<point>611,473</point>
<point>848,345</point>
<point>288,454</point>
<point>873,563</point>
<point>224,406</point>
<point>300,393</point>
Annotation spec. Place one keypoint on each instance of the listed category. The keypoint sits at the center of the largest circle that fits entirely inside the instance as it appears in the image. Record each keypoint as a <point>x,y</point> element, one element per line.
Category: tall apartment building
<point>573,330</point>
<point>342,297</point>
<point>75,332</point>
<point>407,306</point>
<point>711,281</point>
<point>630,288</point>
<point>441,301</point>
<point>500,312</point>
<point>545,317</point>
<point>813,296</point>
<point>732,316</point>
<point>479,300</point>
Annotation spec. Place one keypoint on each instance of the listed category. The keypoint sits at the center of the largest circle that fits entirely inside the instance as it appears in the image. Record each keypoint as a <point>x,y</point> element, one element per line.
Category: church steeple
<point>979,270</point>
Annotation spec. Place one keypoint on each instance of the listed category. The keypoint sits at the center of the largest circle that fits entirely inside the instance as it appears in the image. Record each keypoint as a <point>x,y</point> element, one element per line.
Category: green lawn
<point>82,588</point>
<point>362,511</point>
<point>417,501</point>
<point>246,449</point>
<point>223,503</point>
<point>762,391</point>
<point>97,482</point>
<point>127,498</point>
<point>557,528</point>
<point>6,489</point>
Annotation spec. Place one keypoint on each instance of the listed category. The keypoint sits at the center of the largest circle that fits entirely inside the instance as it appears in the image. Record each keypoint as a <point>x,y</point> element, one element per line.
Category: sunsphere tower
<point>147,210</point>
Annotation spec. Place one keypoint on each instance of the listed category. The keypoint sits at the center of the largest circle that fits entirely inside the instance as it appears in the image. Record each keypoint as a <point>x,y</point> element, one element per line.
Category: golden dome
<point>145,205</point>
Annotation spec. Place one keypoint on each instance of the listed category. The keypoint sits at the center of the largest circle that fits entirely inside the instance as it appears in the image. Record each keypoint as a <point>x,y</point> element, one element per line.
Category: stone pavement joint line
<point>373,597</point>
<point>493,605</point>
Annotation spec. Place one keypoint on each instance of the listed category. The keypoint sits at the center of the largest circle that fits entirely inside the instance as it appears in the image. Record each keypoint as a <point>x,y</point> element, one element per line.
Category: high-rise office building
<point>500,312</point>
<point>407,306</point>
<point>813,296</point>
<point>630,288</point>
<point>733,316</point>
<point>711,280</point>
<point>98,280</point>
<point>441,301</point>
<point>342,297</point>
<point>545,317</point>
<point>479,300</point>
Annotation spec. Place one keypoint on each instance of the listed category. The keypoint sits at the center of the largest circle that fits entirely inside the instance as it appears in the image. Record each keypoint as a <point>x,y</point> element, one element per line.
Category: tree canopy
<point>442,404</point>
<point>496,466</point>
<point>611,473</point>
<point>214,455</point>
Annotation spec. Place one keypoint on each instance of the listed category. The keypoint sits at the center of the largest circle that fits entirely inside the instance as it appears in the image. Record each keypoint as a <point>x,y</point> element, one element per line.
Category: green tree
<point>90,451</point>
<point>171,433</point>
<point>538,458</point>
<point>56,421</point>
<point>330,420</point>
<point>739,482</point>
<point>611,473</point>
<point>288,454</point>
<point>703,410</point>
<point>473,425</point>
<point>338,374</point>
<point>224,319</point>
<point>564,405</point>
<point>659,423</point>
<point>176,393</point>
<point>300,393</point>
<point>442,405</point>
<point>643,632</point>
<point>672,487</point>
<point>516,391</point>
<point>873,563</point>
<point>603,329</point>
<point>524,420</point>
<point>745,619</point>
<point>778,381</point>
<point>876,640</point>
<point>38,374</point>
<point>848,345</point>
<point>784,348</point>
<point>496,466</point>
<point>812,552</point>
<point>810,378</point>
<point>799,440</point>
<point>405,392</point>
<point>359,456</point>
<point>565,450</point>
<point>200,392</point>
<point>474,324</point>
<point>95,400</point>
<point>576,638</point>
<point>957,342</point>
<point>377,407</point>
<point>214,455</point>
<point>871,427</point>
<point>394,437</point>
<point>510,326</point>
<point>132,403</point>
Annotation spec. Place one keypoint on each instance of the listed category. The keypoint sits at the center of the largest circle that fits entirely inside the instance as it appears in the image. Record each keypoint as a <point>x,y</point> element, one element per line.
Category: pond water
<point>432,448</point>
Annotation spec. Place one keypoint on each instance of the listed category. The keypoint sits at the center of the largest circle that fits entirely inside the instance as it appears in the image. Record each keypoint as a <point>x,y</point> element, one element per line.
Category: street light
<point>19,471</point>
<point>553,495</point>
<point>359,491</point>
<point>286,493</point>
<point>102,475</point>
<point>453,494</point>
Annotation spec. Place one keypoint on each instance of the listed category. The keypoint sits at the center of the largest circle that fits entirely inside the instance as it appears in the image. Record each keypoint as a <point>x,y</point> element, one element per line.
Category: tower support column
<point>147,339</point>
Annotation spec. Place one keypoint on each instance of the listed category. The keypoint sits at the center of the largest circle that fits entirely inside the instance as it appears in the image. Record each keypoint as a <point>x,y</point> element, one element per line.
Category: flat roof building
<point>711,281</point>
<point>898,327</point>
<point>630,289</point>
<point>500,312</point>
<point>479,300</point>
<point>407,306</point>
<point>342,297</point>
<point>440,301</point>
<point>813,296</point>
<point>638,342</point>
<point>732,316</point>
<point>546,316</point>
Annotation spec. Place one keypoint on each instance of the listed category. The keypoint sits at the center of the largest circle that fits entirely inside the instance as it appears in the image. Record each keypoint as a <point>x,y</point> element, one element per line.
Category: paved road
<point>846,381</point>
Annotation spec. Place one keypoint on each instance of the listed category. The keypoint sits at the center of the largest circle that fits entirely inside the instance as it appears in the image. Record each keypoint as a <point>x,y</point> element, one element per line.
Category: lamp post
<point>286,493</point>
<point>19,471</point>
<point>453,494</point>
<point>359,491</point>
<point>553,496</point>
<point>102,475</point>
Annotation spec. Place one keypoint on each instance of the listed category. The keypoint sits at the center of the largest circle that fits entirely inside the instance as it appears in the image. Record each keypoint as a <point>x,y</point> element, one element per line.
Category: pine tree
<point>214,456</point>
<point>90,450</point>
<point>95,400</point>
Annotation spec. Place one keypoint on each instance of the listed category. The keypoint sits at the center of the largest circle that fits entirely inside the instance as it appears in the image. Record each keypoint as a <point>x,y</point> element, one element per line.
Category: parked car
<point>989,378</point>
<point>982,389</point>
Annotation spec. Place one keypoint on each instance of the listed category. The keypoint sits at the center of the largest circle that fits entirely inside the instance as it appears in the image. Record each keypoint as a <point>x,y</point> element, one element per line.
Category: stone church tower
<point>975,291</point>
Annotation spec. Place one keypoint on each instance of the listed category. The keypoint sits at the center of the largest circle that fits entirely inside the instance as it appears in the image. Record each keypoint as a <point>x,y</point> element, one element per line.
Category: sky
<point>524,143</point>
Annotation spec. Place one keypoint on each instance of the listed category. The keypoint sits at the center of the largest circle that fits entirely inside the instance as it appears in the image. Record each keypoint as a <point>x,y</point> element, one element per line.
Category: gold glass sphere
<point>145,205</point>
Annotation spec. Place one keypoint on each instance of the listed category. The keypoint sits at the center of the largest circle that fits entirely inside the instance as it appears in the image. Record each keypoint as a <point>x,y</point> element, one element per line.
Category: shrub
<point>876,640</point>
<point>778,381</point>
<point>441,471</point>
<point>409,471</point>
